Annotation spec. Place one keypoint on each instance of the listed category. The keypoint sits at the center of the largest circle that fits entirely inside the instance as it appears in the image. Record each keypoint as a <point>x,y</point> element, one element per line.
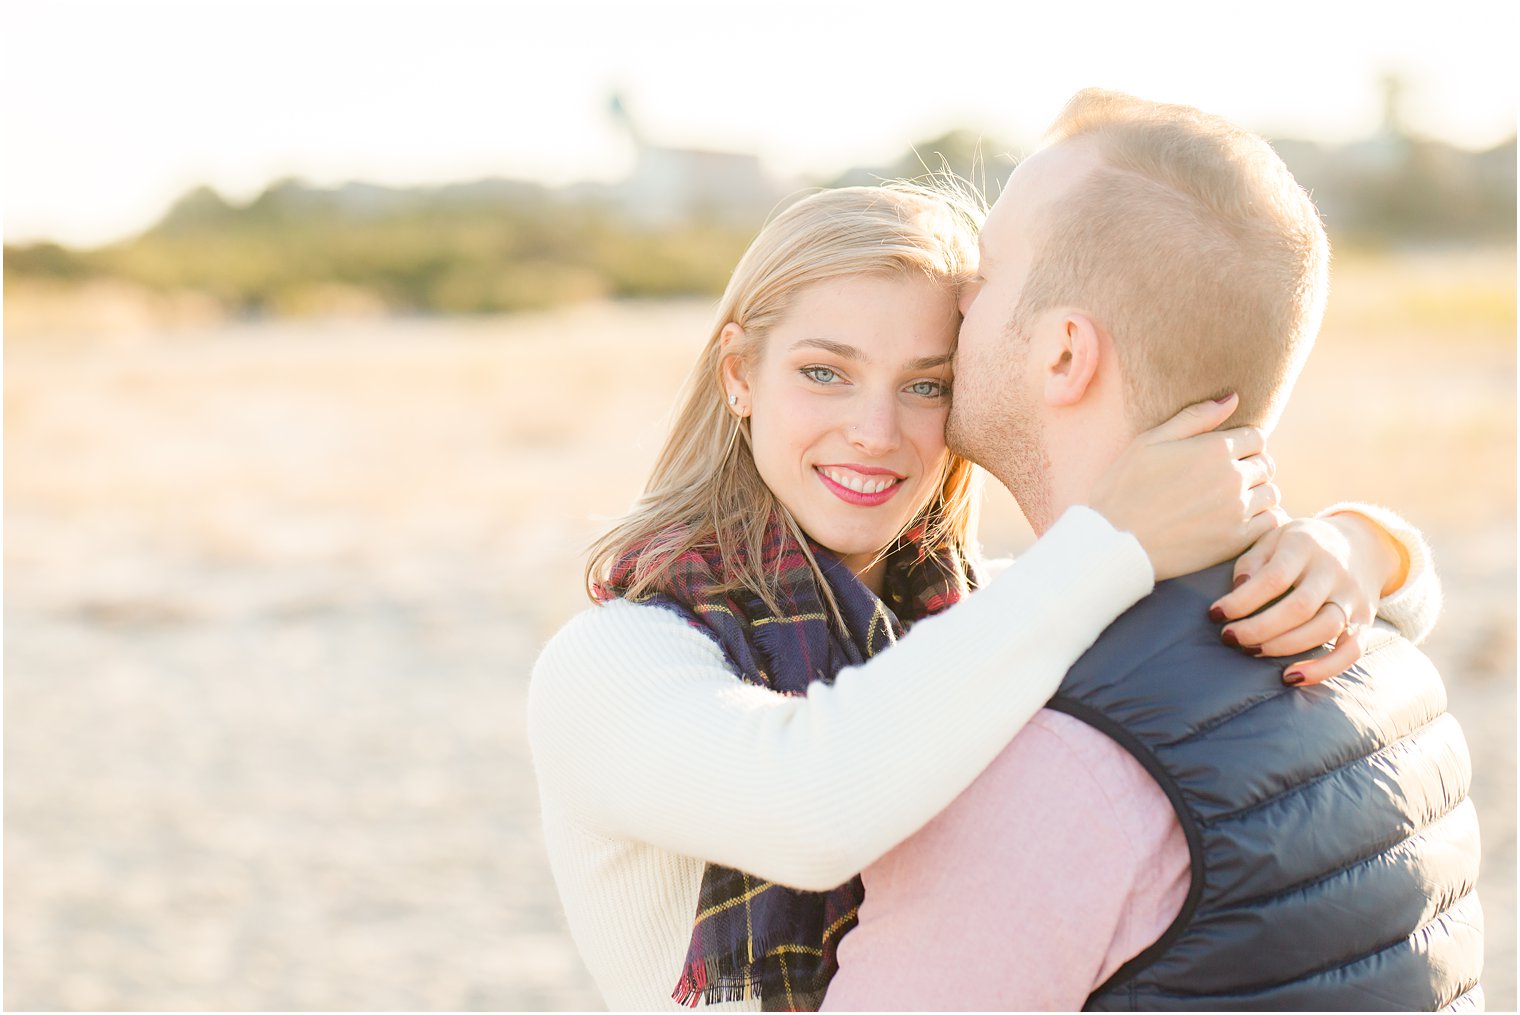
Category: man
<point>1178,829</point>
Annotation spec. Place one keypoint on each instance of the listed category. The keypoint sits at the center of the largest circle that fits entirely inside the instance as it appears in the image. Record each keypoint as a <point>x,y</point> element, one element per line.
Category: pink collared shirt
<point>1061,862</point>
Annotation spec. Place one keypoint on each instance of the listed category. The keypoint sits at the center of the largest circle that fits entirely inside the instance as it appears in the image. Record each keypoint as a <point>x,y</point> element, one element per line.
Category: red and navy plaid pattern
<point>754,938</point>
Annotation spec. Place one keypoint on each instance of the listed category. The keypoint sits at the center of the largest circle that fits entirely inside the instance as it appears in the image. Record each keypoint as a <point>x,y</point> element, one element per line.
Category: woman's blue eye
<point>823,375</point>
<point>928,389</point>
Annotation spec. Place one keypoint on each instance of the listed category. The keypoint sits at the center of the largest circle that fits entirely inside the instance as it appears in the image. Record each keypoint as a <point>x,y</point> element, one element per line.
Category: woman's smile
<point>860,485</point>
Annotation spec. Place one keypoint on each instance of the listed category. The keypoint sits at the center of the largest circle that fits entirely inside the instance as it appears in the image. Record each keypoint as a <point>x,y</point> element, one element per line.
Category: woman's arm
<point>640,731</point>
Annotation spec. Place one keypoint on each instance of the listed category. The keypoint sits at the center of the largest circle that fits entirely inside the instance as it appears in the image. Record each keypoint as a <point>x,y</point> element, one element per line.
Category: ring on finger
<point>1345,612</point>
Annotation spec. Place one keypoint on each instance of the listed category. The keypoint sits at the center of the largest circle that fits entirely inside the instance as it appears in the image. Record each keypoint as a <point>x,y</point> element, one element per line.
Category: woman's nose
<point>876,430</point>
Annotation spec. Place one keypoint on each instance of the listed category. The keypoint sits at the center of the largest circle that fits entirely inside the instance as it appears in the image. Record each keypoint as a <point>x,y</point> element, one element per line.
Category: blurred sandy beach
<point>273,592</point>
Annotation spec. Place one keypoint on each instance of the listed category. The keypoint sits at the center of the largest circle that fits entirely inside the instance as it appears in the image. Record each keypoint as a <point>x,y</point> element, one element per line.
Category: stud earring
<point>733,399</point>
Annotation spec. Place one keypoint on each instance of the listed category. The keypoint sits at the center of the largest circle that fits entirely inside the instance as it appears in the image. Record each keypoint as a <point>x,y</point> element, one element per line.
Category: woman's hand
<point>1333,571</point>
<point>1192,495</point>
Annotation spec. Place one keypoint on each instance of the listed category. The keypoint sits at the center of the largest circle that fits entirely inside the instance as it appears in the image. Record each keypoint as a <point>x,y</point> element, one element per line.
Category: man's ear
<point>1074,363</point>
<point>733,369</point>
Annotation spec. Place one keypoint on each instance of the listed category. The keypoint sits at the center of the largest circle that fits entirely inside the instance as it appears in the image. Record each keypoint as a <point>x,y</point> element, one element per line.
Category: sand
<point>273,591</point>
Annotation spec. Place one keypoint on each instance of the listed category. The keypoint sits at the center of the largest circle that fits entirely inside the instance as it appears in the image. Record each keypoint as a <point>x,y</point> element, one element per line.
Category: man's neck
<point>1075,461</point>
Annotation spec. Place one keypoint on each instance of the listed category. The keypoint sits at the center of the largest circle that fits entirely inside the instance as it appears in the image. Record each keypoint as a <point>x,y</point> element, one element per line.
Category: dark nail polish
<point>1242,580</point>
<point>1216,614</point>
<point>1293,678</point>
<point>1228,637</point>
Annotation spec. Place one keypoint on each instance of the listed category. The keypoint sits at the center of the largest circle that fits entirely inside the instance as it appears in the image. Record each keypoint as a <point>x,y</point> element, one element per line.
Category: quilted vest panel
<point>1334,850</point>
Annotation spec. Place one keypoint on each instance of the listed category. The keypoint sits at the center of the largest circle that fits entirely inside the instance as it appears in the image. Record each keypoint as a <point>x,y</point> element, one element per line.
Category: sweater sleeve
<point>639,730</point>
<point>1414,606</point>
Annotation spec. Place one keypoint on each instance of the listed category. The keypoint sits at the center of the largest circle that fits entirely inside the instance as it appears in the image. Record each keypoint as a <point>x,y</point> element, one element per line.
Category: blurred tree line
<point>1391,189</point>
<point>472,248</point>
<point>500,245</point>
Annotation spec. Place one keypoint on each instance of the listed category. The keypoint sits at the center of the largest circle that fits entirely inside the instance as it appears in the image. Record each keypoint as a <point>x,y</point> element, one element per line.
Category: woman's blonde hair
<point>705,490</point>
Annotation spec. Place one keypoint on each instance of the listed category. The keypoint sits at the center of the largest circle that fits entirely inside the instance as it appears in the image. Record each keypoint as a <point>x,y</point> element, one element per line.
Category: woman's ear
<point>1071,371</point>
<point>733,369</point>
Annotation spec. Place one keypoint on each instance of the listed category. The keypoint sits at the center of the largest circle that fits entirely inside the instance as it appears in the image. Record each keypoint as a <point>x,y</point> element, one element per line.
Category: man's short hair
<point>1193,246</point>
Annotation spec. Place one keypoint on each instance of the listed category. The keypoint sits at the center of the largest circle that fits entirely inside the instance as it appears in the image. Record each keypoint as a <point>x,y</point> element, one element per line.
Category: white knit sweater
<point>653,760</point>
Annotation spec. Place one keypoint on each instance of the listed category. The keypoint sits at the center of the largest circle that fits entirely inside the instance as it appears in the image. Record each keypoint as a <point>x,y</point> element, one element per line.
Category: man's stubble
<point>993,425</point>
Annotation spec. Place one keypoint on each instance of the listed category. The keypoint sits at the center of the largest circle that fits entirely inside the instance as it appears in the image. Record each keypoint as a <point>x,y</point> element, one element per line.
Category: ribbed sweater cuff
<point>1415,605</point>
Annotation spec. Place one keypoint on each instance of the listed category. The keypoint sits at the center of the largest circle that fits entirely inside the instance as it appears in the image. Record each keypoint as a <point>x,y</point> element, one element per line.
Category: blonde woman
<point>740,724</point>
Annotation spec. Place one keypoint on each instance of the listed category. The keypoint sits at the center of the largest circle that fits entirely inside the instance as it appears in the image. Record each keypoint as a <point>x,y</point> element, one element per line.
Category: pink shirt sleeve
<point>1061,862</point>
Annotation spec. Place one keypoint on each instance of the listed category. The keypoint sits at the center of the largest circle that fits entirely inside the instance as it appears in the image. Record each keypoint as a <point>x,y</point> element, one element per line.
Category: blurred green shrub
<point>466,249</point>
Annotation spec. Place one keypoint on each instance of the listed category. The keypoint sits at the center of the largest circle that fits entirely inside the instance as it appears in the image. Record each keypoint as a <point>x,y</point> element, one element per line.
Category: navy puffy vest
<point>1335,852</point>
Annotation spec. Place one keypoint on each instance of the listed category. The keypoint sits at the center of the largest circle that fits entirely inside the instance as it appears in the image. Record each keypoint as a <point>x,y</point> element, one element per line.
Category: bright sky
<point>112,110</point>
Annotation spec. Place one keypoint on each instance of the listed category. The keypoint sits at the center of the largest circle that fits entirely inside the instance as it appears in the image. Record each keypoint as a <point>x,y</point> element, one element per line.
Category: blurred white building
<point>669,184</point>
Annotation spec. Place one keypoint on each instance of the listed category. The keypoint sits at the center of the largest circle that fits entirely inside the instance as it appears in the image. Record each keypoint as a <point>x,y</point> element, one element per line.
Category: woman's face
<point>847,408</point>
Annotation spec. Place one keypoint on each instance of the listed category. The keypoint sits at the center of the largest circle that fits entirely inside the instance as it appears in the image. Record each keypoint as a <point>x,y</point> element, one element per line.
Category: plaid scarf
<point>754,938</point>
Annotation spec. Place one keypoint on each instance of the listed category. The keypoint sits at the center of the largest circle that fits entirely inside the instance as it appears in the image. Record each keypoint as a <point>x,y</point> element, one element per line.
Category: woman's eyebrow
<point>837,348</point>
<point>850,352</point>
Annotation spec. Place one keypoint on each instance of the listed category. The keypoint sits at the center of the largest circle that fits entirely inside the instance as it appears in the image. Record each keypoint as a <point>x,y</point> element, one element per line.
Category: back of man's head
<point>1193,246</point>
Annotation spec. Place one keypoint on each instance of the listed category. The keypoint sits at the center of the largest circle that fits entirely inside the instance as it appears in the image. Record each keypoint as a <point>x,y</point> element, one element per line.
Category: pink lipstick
<point>870,477</point>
